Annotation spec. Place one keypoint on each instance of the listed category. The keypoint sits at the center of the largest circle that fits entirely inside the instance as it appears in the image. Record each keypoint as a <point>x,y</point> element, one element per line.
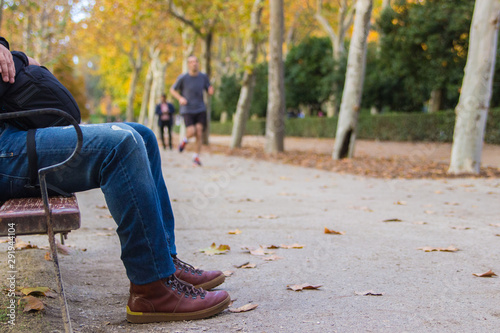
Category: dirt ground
<point>275,203</point>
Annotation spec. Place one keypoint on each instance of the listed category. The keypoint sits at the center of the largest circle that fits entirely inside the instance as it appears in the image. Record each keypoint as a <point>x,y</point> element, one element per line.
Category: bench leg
<point>62,297</point>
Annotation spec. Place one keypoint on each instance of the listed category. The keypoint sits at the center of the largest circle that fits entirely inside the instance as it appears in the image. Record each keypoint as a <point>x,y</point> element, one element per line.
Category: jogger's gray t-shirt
<point>191,88</point>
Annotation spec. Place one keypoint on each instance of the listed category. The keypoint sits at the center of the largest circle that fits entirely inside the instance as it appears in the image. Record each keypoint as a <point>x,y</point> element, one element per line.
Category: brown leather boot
<point>197,277</point>
<point>171,299</point>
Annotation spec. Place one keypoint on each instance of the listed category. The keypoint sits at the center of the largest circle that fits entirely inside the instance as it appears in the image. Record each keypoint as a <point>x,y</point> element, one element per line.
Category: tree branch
<point>175,12</point>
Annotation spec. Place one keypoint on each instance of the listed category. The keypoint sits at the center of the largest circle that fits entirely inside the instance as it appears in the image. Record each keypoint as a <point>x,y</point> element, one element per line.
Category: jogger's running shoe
<point>182,145</point>
<point>196,161</point>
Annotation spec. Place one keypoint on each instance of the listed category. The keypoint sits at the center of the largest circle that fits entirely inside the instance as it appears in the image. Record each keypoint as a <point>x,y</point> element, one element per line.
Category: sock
<point>195,155</point>
<point>185,140</point>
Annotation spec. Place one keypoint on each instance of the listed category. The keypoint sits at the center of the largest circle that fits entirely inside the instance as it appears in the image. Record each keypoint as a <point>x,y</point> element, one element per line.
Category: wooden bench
<point>45,215</point>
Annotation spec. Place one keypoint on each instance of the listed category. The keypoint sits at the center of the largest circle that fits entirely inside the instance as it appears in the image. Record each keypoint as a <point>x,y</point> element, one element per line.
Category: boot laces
<point>184,288</point>
<point>186,267</point>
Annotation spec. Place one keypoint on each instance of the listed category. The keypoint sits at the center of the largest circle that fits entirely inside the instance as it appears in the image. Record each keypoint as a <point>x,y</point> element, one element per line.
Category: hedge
<point>435,127</point>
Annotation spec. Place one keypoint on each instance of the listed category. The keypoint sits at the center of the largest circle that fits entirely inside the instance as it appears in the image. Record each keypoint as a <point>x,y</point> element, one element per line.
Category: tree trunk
<point>435,100</point>
<point>145,96</point>
<point>472,109</point>
<point>345,17</point>
<point>275,125</point>
<point>247,87</point>
<point>136,69</point>
<point>207,68</point>
<point>386,3</point>
<point>351,98</point>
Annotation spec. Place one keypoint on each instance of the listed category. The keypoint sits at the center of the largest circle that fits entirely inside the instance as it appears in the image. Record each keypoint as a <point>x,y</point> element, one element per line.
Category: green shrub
<point>414,127</point>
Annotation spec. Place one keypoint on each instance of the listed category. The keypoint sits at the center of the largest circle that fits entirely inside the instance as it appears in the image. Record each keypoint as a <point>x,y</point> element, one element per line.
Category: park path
<point>433,151</point>
<point>280,204</point>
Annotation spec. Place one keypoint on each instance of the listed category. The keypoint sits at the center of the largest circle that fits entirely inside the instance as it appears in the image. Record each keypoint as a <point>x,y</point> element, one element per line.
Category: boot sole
<point>145,317</point>
<point>213,283</point>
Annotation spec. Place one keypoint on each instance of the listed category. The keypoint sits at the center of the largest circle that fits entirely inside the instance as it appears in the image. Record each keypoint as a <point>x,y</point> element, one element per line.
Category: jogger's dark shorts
<point>191,119</point>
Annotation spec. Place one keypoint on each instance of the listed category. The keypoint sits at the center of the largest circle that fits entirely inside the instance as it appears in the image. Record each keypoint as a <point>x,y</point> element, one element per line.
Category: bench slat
<point>29,215</point>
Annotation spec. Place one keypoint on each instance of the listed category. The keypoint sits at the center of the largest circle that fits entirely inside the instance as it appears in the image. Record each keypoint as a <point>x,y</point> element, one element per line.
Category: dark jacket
<point>171,111</point>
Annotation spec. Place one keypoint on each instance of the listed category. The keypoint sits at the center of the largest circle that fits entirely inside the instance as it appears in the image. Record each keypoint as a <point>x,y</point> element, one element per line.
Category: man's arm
<point>7,67</point>
<point>176,94</point>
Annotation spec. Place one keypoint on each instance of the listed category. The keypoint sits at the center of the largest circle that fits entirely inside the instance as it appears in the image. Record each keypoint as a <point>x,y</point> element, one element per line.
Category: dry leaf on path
<point>234,232</point>
<point>333,232</point>
<point>272,258</point>
<point>401,203</point>
<point>460,227</point>
<point>228,273</point>
<point>107,216</point>
<point>485,274</point>
<point>48,256</point>
<point>244,308</point>
<point>104,234</point>
<point>62,249</point>
<point>420,222</point>
<point>101,207</point>
<point>214,249</point>
<point>246,265</point>
<point>4,240</point>
<point>293,246</point>
<point>300,287</point>
<point>368,293</point>
<point>22,245</point>
<point>495,224</point>
<point>261,252</point>
<point>393,220</point>
<point>439,249</point>
<point>268,217</point>
<point>34,291</point>
<point>430,212</point>
<point>31,303</point>
<point>270,246</point>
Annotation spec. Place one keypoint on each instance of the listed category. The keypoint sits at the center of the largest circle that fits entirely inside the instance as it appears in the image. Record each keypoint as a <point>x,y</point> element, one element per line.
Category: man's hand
<point>211,90</point>
<point>183,101</point>
<point>7,67</point>
<point>32,61</point>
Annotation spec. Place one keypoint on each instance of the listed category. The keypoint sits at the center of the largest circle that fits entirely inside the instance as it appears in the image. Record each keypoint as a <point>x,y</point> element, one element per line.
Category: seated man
<point>124,161</point>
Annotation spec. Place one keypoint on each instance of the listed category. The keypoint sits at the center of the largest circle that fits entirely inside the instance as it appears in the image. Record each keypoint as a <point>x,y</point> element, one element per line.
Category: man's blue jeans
<point>123,160</point>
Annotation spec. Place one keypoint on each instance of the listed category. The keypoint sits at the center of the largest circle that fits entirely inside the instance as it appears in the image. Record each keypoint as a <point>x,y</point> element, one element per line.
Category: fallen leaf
<point>22,245</point>
<point>460,227</point>
<point>31,303</point>
<point>438,192</point>
<point>214,249</point>
<point>268,217</point>
<point>495,224</point>
<point>440,249</point>
<point>333,232</point>
<point>401,203</point>
<point>260,252</point>
<point>63,249</point>
<point>104,234</point>
<point>293,246</point>
<point>48,256</point>
<point>485,274</point>
<point>272,258</point>
<point>428,212</point>
<point>300,287</point>
<point>452,203</point>
<point>101,207</point>
<point>4,240</point>
<point>34,291</point>
<point>227,273</point>
<point>234,232</point>
<point>368,293</point>
<point>270,246</point>
<point>244,308</point>
<point>246,265</point>
<point>420,222</point>
<point>106,216</point>
<point>393,220</point>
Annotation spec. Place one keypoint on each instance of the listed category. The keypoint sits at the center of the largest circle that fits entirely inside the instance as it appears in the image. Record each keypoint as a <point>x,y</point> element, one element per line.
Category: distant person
<point>188,90</point>
<point>165,112</point>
